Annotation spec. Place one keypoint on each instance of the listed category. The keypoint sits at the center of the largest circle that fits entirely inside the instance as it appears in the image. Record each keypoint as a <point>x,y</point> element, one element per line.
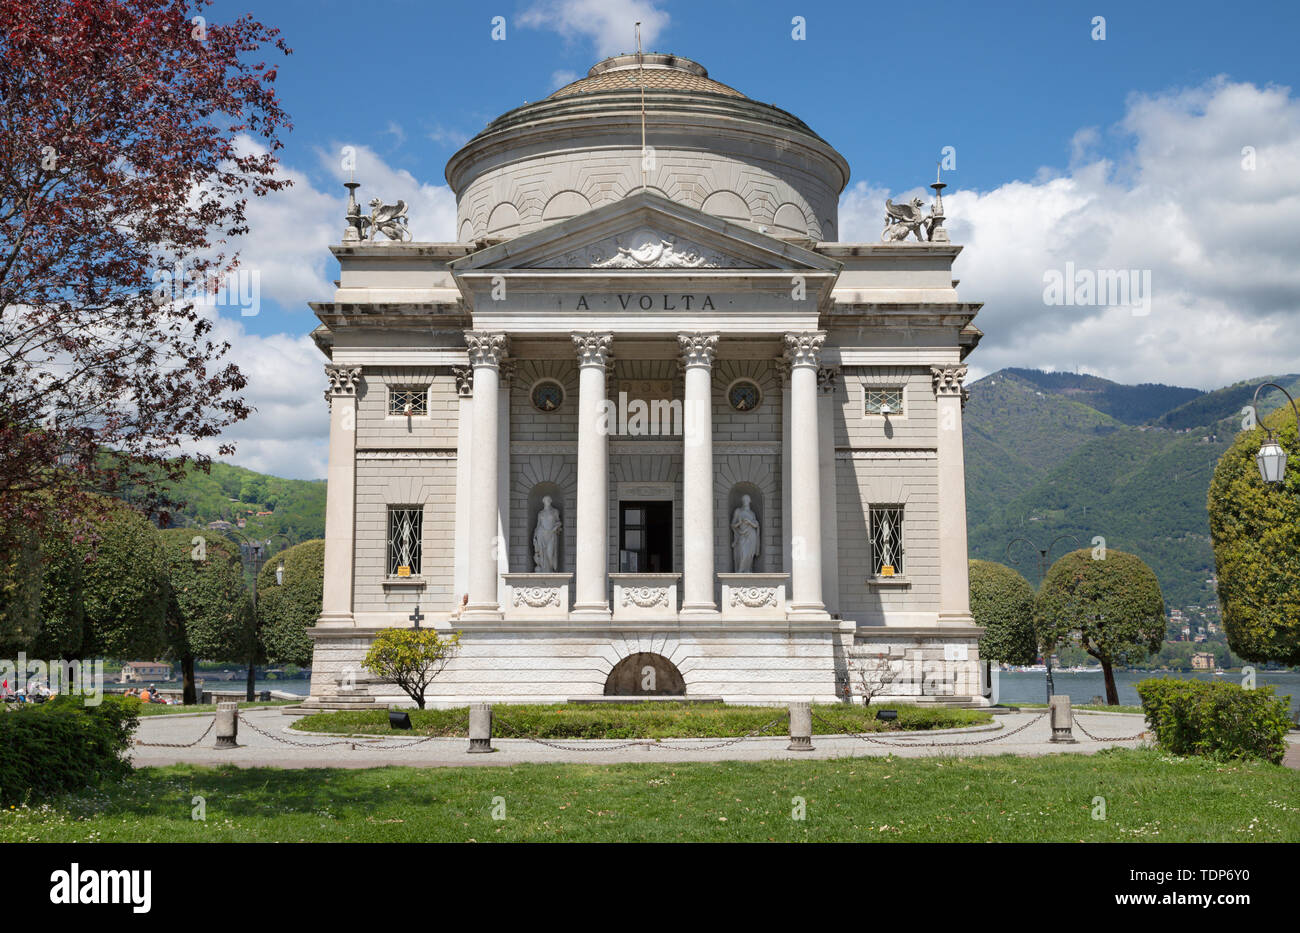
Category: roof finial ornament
<point>388,219</point>
<point>640,76</point>
<point>902,219</point>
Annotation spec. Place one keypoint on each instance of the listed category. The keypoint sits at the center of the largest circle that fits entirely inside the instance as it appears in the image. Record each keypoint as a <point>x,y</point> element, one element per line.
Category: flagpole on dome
<point>640,77</point>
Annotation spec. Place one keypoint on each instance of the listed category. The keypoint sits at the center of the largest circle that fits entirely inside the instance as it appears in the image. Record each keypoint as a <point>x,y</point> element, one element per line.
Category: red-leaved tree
<point>132,133</point>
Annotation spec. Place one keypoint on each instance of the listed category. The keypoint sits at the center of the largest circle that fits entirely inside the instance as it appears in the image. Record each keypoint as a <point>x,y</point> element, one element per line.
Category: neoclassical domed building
<point>648,427</point>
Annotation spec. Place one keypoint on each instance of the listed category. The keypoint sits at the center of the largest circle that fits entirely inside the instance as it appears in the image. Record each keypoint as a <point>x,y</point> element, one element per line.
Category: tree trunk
<point>187,680</point>
<point>1112,694</point>
<point>252,674</point>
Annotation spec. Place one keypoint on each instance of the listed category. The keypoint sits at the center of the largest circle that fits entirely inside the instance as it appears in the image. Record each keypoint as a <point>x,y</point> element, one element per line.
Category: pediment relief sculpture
<point>644,248</point>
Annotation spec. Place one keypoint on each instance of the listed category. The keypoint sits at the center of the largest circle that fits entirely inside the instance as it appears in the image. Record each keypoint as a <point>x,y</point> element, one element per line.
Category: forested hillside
<point>1041,460</point>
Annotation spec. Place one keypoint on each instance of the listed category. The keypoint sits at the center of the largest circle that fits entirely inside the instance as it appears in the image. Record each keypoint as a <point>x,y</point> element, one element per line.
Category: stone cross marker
<point>416,616</point>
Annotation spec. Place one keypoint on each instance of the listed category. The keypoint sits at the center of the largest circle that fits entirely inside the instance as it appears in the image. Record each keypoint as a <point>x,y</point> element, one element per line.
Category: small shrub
<point>1218,720</point>
<point>63,745</point>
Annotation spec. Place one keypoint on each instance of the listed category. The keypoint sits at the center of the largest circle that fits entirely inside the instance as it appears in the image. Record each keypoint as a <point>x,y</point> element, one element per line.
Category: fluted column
<point>698,530</point>
<point>486,351</point>
<point>340,495</point>
<point>954,569</point>
<point>803,353</point>
<point>464,479</point>
<point>591,583</point>
<point>828,380</point>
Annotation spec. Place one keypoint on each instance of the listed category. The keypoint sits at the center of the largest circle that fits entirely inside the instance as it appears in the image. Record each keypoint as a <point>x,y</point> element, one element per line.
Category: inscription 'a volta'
<point>657,302</point>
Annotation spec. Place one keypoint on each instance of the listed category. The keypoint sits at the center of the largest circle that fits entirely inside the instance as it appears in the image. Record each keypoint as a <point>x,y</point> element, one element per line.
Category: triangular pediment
<point>644,232</point>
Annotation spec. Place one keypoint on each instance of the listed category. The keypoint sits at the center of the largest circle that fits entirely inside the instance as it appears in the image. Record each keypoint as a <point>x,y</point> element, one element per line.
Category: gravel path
<point>268,747</point>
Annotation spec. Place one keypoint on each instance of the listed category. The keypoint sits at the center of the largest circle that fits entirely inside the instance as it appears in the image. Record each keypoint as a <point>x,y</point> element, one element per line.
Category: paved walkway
<point>317,751</point>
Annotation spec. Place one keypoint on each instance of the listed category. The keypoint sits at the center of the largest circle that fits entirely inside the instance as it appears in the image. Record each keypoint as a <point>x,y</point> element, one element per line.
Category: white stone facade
<point>542,346</point>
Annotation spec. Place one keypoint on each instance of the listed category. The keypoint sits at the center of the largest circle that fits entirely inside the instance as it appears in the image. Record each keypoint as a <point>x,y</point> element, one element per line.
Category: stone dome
<point>707,146</point>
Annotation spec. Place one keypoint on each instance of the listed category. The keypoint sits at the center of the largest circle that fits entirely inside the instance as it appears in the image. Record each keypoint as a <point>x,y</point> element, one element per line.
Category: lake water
<point>1031,687</point>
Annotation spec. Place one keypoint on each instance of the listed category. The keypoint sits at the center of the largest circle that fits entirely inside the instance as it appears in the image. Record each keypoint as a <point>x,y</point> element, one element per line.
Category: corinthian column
<point>340,495</point>
<point>697,351</point>
<point>486,351</point>
<point>827,382</point>
<point>803,352</point>
<point>954,571</point>
<point>594,353</point>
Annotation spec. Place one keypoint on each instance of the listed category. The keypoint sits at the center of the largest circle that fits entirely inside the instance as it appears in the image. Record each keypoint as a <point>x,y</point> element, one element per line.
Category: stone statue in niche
<point>744,537</point>
<point>546,537</point>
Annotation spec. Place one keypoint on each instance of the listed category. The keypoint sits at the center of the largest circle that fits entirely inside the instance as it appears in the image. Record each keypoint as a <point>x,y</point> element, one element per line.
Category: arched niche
<point>645,674</point>
<point>790,221</point>
<point>734,498</point>
<point>535,496</point>
<point>504,220</point>
<point>728,205</point>
<point>565,204</point>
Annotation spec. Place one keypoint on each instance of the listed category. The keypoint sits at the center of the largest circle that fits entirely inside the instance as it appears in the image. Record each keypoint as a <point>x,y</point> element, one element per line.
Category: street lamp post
<point>258,552</point>
<point>1271,458</point>
<point>1042,575</point>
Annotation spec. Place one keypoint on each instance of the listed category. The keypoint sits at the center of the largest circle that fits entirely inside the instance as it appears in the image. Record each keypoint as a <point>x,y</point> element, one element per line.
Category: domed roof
<point>651,70</point>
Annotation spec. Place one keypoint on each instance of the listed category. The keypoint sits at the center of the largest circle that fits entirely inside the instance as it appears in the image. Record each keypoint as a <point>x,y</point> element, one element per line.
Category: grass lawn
<point>1149,795</point>
<point>158,709</point>
<point>640,720</point>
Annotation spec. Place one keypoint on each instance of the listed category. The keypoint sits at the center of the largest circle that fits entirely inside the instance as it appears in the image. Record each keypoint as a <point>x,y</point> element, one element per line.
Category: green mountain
<point>1057,453</point>
<point>265,504</point>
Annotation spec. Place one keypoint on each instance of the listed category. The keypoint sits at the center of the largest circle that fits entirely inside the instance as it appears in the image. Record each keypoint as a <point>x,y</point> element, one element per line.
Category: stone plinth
<point>537,595</point>
<point>754,595</point>
<point>645,595</point>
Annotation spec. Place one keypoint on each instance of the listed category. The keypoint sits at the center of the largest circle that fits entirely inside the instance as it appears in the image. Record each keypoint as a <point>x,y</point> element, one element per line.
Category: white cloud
<point>288,245</point>
<point>1218,240</point>
<point>608,24</point>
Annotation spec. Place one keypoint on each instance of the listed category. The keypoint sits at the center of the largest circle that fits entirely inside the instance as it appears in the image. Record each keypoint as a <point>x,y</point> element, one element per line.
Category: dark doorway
<point>645,537</point>
<point>645,674</point>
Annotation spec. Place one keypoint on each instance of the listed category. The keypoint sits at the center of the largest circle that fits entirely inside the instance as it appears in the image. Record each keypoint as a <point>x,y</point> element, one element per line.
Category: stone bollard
<point>480,728</point>
<point>227,725</point>
<point>800,728</point>
<point>1062,720</point>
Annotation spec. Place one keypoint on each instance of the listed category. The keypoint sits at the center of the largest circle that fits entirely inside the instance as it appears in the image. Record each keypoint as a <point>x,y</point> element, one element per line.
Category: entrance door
<point>645,537</point>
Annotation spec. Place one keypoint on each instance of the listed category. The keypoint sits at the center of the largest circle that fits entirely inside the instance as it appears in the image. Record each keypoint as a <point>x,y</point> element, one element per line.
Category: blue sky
<point>1112,141</point>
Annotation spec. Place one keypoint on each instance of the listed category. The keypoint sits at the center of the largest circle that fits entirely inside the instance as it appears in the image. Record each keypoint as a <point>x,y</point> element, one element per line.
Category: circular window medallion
<point>548,395</point>
<point>744,395</point>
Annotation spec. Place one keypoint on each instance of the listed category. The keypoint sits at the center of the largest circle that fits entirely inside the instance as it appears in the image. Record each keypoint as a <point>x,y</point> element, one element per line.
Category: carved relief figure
<point>546,558</point>
<point>388,219</point>
<point>744,537</point>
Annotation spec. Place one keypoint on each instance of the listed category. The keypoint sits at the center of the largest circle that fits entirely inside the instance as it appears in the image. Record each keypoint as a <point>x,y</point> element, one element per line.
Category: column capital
<point>828,379</point>
<point>464,381</point>
<point>804,349</point>
<point>486,348</point>
<point>344,381</point>
<point>948,379</point>
<point>697,349</point>
<point>593,349</point>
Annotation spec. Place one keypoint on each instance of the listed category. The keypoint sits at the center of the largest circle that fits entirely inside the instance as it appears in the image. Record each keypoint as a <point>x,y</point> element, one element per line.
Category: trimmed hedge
<point>62,745</point>
<point>1217,720</point>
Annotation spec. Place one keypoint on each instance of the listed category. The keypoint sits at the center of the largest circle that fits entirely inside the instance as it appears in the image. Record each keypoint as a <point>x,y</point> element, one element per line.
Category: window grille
<point>886,540</point>
<point>405,527</point>
<point>877,399</point>
<point>408,400</point>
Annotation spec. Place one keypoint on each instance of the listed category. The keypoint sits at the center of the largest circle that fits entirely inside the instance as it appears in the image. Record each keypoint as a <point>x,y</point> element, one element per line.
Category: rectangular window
<point>886,540</point>
<point>408,400</point>
<point>885,400</point>
<point>405,527</point>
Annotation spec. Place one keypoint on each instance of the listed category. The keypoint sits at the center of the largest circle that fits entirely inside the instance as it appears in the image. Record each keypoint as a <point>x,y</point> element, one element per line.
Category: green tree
<point>1002,601</point>
<point>208,609</point>
<point>1112,607</point>
<point>288,610</point>
<point>411,658</point>
<point>103,585</point>
<point>1255,530</point>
